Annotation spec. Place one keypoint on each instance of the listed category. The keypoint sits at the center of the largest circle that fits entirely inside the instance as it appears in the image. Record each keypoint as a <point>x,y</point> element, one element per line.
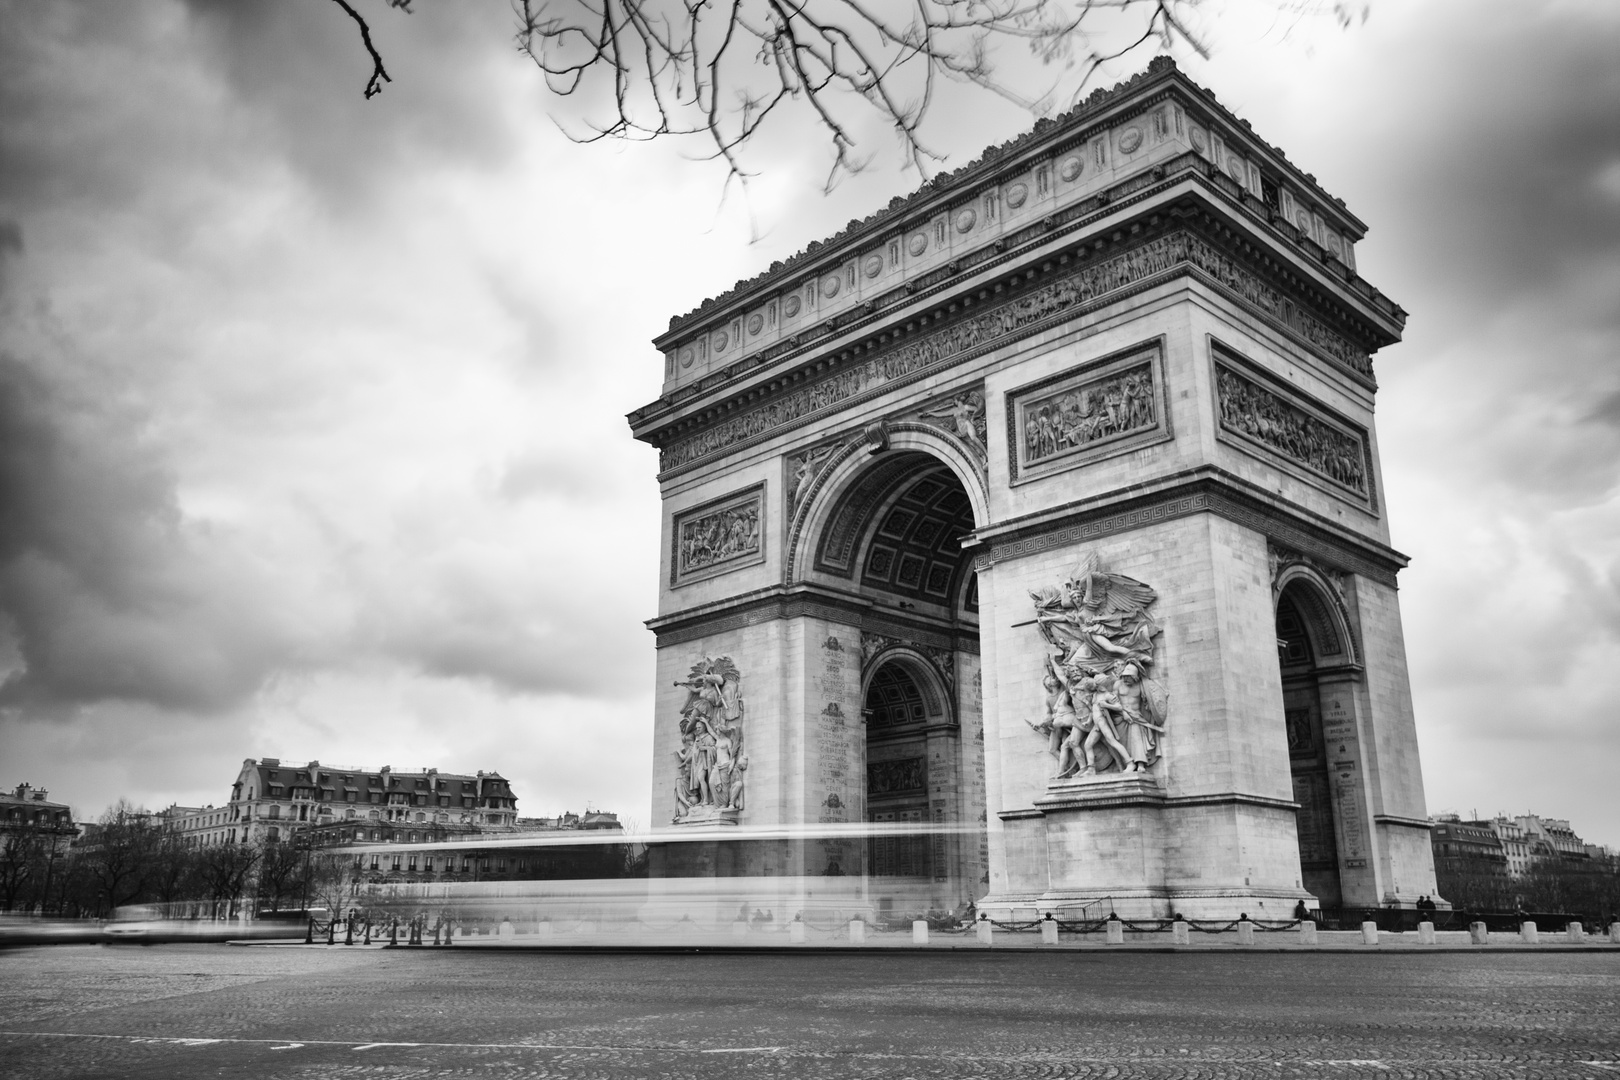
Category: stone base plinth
<point>708,816</point>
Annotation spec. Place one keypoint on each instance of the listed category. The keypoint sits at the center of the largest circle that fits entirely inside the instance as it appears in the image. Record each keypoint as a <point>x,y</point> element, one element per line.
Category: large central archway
<point>891,532</point>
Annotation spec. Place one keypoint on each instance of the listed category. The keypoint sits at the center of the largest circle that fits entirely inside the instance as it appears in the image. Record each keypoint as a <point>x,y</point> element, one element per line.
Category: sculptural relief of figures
<point>965,416</point>
<point>1103,713</point>
<point>802,470</point>
<point>1258,413</point>
<point>709,762</point>
<point>719,536</point>
<point>1088,413</point>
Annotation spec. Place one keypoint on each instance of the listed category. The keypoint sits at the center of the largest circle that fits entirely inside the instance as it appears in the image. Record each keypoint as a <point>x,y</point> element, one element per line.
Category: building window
<point>275,812</point>
<point>374,862</point>
<point>274,834</point>
<point>412,865</point>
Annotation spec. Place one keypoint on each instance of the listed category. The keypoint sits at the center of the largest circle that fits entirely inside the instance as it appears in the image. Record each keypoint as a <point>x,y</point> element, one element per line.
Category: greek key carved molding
<point>1207,494</point>
<point>1002,323</point>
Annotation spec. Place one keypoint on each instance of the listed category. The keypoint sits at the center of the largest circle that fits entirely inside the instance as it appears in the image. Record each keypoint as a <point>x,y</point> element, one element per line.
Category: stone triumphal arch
<point>1047,501</point>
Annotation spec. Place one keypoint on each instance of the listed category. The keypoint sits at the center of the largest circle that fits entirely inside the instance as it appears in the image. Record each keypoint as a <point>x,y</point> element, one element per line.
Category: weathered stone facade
<point>1062,442</point>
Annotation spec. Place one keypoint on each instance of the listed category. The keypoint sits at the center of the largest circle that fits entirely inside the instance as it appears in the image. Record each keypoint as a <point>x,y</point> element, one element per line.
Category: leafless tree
<point>722,71</point>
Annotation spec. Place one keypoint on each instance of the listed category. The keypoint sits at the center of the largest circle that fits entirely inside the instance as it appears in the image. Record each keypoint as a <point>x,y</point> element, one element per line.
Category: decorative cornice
<point>904,356</point>
<point>779,602</point>
<point>1036,240</point>
<point>1054,136</point>
<point>1204,490</point>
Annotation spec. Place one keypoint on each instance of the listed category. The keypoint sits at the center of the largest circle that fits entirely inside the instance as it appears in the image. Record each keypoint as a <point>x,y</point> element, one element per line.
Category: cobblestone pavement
<point>204,1010</point>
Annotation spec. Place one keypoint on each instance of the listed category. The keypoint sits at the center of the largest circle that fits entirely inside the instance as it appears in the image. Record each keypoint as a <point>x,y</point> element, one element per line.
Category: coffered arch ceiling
<point>898,530</point>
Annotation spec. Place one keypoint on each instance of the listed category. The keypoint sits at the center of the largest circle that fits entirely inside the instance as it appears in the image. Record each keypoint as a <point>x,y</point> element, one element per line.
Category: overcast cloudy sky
<point>311,408</point>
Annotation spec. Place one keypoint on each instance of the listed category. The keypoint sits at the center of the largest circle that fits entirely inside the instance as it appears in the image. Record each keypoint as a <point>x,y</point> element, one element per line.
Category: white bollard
<point>1245,932</point>
<point>796,932</point>
<point>983,930</point>
<point>1307,932</point>
<point>1614,933</point>
<point>1369,933</point>
<point>857,932</point>
<point>739,929</point>
<point>1049,932</point>
<point>587,928</point>
<point>919,932</point>
<point>507,932</point>
<point>1426,933</point>
<point>1180,932</point>
<point>543,931</point>
<point>1115,932</point>
<point>1527,933</point>
<point>1573,934</point>
<point>1478,933</point>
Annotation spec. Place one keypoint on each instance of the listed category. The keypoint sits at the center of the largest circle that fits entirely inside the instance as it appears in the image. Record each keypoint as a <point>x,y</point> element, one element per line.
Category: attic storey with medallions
<point>1048,499</point>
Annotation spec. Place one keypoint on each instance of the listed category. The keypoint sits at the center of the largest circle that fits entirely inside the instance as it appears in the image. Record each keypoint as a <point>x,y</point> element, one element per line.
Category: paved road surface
<point>210,1010</point>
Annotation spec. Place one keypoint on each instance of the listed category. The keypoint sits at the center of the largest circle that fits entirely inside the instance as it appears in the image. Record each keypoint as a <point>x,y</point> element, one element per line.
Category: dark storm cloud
<point>106,594</point>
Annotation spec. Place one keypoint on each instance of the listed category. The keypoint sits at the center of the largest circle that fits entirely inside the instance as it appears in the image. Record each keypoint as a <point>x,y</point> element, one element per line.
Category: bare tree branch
<point>379,74</point>
<point>722,69</point>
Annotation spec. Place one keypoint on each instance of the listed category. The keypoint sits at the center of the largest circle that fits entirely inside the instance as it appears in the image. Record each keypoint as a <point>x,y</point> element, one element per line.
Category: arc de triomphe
<point>1048,498</point>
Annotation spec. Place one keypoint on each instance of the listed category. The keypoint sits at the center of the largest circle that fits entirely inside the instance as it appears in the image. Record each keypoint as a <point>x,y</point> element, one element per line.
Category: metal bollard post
<point>919,932</point>
<point>857,932</point>
<point>1478,933</point>
<point>309,934</point>
<point>366,938</point>
<point>331,931</point>
<point>1426,933</point>
<point>393,932</point>
<point>348,931</point>
<point>1180,932</point>
<point>1527,933</point>
<point>1369,933</point>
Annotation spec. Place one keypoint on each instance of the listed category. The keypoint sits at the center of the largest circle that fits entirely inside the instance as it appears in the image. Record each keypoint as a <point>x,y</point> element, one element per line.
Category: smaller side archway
<point>913,771</point>
<point>1314,641</point>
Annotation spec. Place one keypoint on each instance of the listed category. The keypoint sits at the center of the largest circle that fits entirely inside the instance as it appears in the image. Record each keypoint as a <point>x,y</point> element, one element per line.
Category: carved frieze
<point>1293,429</point>
<point>896,777</point>
<point>1104,714</point>
<point>1000,323</point>
<point>710,763</point>
<point>719,536</point>
<point>1105,407</point>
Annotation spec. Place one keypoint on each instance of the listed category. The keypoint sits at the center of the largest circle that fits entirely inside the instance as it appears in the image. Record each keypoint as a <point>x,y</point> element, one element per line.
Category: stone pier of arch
<point>1127,356</point>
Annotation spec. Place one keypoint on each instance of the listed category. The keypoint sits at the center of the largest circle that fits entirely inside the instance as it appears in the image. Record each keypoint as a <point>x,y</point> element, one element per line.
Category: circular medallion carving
<point>829,286</point>
<point>721,340</point>
<point>790,307</point>
<point>687,356</point>
<point>1129,140</point>
<point>756,323</point>
<point>1304,222</point>
<point>1198,140</point>
<point>1016,194</point>
<point>1071,168</point>
<point>966,220</point>
<point>918,243</point>
<point>873,265</point>
<point>1234,166</point>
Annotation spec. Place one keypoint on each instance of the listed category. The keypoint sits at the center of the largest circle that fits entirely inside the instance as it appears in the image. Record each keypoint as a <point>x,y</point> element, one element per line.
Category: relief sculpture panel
<point>1107,406</point>
<point>710,764</point>
<point>719,537</point>
<point>1104,714</point>
<point>1328,450</point>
